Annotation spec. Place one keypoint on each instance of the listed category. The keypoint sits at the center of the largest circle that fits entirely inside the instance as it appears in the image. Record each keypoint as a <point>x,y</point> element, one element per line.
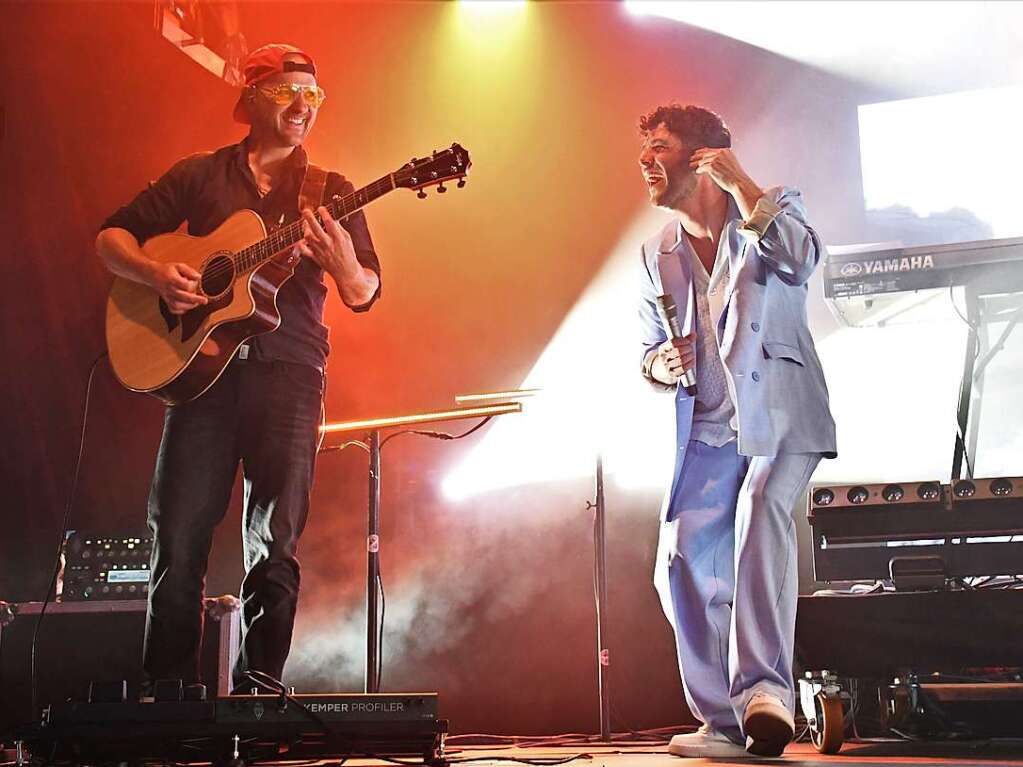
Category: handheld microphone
<point>668,311</point>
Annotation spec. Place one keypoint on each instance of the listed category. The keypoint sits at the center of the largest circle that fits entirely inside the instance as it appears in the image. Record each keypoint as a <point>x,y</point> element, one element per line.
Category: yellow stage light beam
<point>491,7</point>
<point>487,36</point>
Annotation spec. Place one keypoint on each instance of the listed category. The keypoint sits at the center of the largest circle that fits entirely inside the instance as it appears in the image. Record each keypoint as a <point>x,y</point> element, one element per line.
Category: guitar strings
<point>254,255</point>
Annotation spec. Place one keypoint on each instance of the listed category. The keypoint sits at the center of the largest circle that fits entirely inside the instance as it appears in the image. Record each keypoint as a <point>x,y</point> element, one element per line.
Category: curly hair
<point>695,126</point>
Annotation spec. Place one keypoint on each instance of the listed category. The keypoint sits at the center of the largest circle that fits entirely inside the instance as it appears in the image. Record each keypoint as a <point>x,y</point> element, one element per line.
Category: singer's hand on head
<point>724,169</point>
<point>673,358</point>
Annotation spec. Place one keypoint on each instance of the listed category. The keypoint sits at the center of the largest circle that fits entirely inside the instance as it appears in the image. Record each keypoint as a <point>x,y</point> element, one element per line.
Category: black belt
<point>244,356</point>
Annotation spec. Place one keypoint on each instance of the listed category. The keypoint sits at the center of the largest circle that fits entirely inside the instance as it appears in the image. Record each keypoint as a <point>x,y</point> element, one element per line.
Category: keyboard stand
<point>983,303</point>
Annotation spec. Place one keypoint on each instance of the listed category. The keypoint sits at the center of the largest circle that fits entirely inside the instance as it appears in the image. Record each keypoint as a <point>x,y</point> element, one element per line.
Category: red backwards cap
<point>269,60</point>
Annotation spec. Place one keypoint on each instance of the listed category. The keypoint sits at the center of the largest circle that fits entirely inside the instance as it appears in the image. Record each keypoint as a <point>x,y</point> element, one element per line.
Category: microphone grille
<point>666,304</point>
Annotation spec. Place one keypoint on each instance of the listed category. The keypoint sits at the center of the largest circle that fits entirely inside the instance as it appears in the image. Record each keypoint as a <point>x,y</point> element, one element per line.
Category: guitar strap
<point>313,187</point>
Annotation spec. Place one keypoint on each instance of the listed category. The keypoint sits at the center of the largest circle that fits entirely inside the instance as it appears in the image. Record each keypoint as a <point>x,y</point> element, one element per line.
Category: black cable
<point>63,533</point>
<point>975,328</point>
<point>266,680</point>
<point>656,734</point>
<point>951,297</point>
<point>966,452</point>
<point>515,760</point>
<point>343,445</point>
<point>438,434</point>
<point>854,706</point>
<point>421,432</point>
<point>380,636</point>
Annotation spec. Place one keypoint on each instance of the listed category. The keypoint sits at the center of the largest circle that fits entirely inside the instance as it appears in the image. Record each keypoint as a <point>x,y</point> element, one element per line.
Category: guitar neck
<point>286,237</point>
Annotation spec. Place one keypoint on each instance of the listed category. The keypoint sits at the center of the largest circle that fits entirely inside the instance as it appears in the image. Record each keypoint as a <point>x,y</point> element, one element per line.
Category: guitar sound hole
<point>217,276</point>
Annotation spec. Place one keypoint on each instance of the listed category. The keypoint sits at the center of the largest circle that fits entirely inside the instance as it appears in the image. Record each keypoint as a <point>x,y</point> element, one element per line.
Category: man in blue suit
<point>736,260</point>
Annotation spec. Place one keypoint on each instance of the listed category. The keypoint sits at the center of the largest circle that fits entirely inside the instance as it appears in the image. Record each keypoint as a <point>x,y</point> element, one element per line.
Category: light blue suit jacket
<point>781,398</point>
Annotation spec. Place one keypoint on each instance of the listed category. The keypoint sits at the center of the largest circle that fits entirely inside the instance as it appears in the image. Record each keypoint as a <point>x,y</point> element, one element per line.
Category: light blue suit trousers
<point>726,575</point>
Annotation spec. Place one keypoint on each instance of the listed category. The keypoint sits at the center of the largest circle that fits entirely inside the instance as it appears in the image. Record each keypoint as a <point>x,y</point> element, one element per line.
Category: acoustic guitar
<point>176,357</point>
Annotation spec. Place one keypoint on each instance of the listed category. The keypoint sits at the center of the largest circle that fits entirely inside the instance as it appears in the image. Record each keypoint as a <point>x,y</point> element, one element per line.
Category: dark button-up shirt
<point>205,189</point>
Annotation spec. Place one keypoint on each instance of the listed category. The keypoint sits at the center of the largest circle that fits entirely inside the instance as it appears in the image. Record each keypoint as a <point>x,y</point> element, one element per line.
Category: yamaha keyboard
<point>861,282</point>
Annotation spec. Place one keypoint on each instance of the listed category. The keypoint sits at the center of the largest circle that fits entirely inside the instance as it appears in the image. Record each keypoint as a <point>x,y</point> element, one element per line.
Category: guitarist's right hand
<point>177,284</point>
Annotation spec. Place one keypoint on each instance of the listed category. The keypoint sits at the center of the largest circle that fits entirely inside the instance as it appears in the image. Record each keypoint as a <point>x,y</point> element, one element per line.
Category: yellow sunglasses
<point>285,93</point>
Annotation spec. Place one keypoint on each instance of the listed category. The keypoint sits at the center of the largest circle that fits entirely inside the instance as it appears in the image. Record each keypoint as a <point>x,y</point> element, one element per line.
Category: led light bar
<point>879,494</point>
<point>968,527</point>
<point>497,395</point>
<point>419,418</point>
<point>989,489</point>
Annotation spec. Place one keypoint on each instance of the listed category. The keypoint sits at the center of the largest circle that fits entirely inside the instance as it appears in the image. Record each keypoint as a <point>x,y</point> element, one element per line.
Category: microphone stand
<point>600,577</point>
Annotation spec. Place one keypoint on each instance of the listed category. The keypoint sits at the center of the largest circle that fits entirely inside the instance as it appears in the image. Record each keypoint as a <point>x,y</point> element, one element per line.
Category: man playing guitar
<point>264,409</point>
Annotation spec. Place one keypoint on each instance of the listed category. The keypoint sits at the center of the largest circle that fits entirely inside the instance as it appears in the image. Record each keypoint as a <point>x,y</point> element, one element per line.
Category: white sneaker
<point>705,742</point>
<point>768,725</point>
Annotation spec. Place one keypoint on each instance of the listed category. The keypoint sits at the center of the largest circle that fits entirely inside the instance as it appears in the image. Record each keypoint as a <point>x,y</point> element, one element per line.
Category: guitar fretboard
<point>286,237</point>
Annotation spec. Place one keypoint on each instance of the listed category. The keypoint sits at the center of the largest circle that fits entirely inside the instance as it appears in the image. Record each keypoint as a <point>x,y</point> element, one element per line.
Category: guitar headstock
<point>445,165</point>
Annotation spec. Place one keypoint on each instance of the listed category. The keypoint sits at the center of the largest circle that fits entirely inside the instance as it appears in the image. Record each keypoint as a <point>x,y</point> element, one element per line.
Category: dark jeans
<point>265,415</point>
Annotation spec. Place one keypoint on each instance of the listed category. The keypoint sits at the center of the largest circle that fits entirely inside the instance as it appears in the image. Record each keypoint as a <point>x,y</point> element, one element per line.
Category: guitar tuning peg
<point>441,188</point>
<point>461,183</point>
<point>421,194</point>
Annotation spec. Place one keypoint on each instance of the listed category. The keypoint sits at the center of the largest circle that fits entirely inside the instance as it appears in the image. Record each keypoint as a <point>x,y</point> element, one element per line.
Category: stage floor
<point>876,753</point>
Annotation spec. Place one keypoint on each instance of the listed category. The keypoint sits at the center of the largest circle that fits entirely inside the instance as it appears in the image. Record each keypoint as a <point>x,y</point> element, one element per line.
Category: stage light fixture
<point>823,496</point>
<point>1001,487</point>
<point>988,492</point>
<point>929,491</point>
<point>893,493</point>
<point>207,32</point>
<point>964,489</point>
<point>858,494</point>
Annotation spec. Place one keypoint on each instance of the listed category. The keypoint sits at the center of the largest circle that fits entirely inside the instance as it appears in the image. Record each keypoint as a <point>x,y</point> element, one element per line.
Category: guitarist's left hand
<point>330,246</point>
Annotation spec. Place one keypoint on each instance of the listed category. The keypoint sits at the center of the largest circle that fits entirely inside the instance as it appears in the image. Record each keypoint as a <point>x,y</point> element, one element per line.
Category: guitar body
<point>176,357</point>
